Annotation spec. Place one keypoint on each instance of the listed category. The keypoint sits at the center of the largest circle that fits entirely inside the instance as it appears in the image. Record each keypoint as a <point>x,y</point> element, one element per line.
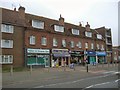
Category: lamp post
<point>86,60</point>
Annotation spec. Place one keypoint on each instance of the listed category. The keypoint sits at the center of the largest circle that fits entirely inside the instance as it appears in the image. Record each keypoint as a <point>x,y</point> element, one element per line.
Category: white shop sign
<point>42,51</point>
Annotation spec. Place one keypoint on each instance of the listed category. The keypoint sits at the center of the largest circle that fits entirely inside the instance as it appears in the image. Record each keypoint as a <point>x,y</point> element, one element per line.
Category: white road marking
<point>117,80</point>
<point>101,84</point>
<point>70,82</point>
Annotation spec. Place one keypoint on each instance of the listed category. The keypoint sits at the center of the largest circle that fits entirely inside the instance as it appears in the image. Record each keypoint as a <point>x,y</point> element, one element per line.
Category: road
<point>97,77</point>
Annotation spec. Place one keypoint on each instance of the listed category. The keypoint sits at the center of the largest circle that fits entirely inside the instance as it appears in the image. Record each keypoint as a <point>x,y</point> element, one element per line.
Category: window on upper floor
<point>99,36</point>
<point>6,59</point>
<point>7,28</point>
<point>102,47</point>
<point>38,24</point>
<point>43,41</point>
<point>98,46</point>
<point>72,45</point>
<point>63,43</point>
<point>92,46</point>
<point>55,43</point>
<point>79,45</point>
<point>58,28</point>
<point>88,34</point>
<point>6,43</point>
<point>86,45</point>
<point>32,40</point>
<point>75,31</point>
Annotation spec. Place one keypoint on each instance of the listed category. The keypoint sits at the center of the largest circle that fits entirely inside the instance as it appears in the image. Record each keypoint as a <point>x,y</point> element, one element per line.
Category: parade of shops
<point>29,39</point>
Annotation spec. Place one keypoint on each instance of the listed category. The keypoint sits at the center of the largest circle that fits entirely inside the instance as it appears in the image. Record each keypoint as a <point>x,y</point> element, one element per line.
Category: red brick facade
<point>23,30</point>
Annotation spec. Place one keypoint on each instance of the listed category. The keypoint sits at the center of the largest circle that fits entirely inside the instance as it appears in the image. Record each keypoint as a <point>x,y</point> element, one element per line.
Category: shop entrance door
<point>46,59</point>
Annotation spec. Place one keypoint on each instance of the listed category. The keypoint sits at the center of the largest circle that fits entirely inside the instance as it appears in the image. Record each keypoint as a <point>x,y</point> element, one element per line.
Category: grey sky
<point>97,12</point>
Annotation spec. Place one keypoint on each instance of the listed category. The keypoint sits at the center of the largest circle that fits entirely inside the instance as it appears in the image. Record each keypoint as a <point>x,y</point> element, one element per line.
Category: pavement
<point>32,77</point>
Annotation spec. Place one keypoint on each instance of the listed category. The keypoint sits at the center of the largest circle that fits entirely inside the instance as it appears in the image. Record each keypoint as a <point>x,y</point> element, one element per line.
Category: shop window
<point>7,43</point>
<point>44,41</point>
<point>7,28</point>
<point>32,40</point>
<point>55,43</point>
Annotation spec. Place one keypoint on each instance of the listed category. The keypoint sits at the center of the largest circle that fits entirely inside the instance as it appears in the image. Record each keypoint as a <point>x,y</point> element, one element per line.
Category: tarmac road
<point>59,78</point>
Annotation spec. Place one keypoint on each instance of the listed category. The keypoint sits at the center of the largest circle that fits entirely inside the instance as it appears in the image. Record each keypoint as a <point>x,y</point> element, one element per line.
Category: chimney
<point>87,27</point>
<point>14,9</point>
<point>80,24</point>
<point>21,11</point>
<point>61,20</point>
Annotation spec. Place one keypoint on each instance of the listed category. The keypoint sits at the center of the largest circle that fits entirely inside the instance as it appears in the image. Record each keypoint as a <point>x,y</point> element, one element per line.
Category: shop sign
<point>91,53</point>
<point>60,51</point>
<point>77,53</point>
<point>42,51</point>
<point>101,53</point>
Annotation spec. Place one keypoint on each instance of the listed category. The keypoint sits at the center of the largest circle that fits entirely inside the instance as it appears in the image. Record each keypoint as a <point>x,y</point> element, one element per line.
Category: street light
<point>87,60</point>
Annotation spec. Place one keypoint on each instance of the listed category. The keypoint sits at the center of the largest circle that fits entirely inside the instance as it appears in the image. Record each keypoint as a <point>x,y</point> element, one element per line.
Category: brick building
<point>35,40</point>
<point>106,33</point>
<point>116,54</point>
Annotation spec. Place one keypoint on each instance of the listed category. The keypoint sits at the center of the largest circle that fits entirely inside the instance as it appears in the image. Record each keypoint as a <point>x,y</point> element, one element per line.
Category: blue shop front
<point>91,57</point>
<point>101,56</point>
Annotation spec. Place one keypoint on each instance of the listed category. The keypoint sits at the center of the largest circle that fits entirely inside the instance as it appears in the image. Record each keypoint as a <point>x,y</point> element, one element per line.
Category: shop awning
<point>61,55</point>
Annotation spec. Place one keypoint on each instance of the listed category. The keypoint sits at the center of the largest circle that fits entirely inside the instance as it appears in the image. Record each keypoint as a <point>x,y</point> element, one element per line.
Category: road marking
<point>100,84</point>
<point>117,80</point>
<point>70,82</point>
<point>96,85</point>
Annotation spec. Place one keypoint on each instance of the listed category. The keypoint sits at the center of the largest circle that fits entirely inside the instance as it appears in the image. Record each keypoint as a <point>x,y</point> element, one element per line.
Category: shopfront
<point>60,57</point>
<point>91,57</point>
<point>77,57</point>
<point>101,56</point>
<point>40,57</point>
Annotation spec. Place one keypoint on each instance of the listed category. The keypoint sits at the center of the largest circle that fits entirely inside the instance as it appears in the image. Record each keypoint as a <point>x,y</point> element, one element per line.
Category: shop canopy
<point>61,55</point>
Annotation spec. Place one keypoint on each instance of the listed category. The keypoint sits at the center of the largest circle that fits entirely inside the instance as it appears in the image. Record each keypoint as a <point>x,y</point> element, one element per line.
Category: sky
<point>97,13</point>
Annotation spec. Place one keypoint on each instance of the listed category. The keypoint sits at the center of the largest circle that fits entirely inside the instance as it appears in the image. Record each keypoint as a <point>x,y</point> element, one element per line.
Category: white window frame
<point>102,47</point>
<point>58,28</point>
<point>99,36</point>
<point>55,42</point>
<point>44,41</point>
<point>75,32</point>
<point>72,44</point>
<point>98,46</point>
<point>92,46</point>
<point>86,45</point>
<point>7,28</point>
<point>38,24</point>
<point>6,59</point>
<point>6,43</point>
<point>79,45</point>
<point>32,40</point>
<point>63,42</point>
<point>88,34</point>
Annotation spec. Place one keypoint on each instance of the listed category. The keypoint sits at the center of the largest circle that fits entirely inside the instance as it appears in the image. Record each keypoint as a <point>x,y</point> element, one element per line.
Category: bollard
<point>11,70</point>
<point>30,69</point>
<point>87,67</point>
